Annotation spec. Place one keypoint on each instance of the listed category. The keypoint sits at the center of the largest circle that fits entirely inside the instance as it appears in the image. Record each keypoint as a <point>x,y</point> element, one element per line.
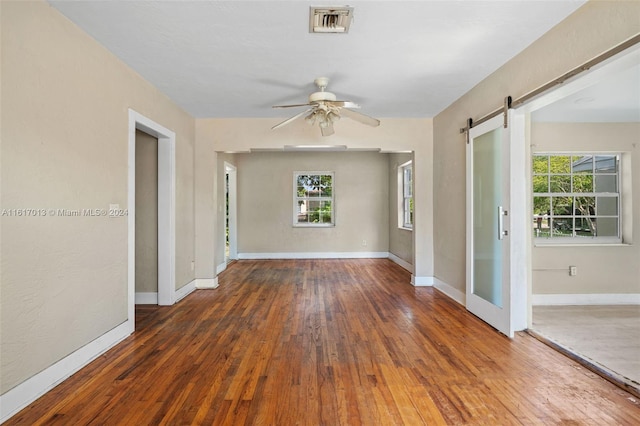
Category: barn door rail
<point>509,103</point>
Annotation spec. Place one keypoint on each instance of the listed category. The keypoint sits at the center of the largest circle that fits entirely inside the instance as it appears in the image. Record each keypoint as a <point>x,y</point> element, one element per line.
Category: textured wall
<point>64,115</point>
<point>591,30</point>
<point>265,203</point>
<point>600,269</point>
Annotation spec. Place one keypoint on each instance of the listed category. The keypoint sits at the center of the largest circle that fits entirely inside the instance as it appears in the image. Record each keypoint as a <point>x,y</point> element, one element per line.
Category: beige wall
<point>591,30</point>
<point>146,213</point>
<point>243,134</point>
<point>64,113</point>
<point>205,208</point>
<point>601,269</point>
<point>400,240</point>
<point>265,209</point>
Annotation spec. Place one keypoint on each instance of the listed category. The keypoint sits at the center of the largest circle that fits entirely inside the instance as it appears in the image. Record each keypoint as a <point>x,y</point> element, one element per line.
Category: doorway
<point>166,210</point>
<point>146,219</point>
<point>230,219</point>
<point>585,292</point>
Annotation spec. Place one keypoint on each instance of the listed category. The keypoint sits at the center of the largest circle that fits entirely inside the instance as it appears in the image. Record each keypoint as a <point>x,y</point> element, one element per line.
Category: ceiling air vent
<point>330,19</point>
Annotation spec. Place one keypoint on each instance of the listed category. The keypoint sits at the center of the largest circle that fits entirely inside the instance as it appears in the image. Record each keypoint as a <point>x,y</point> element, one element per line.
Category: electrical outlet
<point>573,271</point>
<point>364,243</point>
<point>193,265</point>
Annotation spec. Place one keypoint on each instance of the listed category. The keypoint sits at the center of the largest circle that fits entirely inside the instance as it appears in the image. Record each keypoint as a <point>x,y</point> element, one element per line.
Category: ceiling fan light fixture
<point>324,110</point>
<point>310,119</point>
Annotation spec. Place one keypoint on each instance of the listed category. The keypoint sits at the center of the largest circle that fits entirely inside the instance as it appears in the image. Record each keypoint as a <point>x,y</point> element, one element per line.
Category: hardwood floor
<point>327,342</point>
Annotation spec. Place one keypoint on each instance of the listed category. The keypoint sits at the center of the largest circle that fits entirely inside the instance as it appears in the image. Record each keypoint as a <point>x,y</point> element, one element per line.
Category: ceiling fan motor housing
<point>321,96</point>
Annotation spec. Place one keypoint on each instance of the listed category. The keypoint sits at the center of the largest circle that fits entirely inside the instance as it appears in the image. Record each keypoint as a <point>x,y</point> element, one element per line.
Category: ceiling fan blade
<point>290,106</point>
<point>343,104</point>
<point>327,131</point>
<point>360,117</point>
<point>289,120</point>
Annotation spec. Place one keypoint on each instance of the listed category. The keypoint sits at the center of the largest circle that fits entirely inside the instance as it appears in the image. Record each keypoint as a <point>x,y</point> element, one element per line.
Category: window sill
<point>405,228</point>
<point>320,225</point>
<point>536,244</point>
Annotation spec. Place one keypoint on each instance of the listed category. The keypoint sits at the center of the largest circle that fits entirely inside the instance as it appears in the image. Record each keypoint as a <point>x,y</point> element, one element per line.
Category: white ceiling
<point>615,98</point>
<point>238,58</point>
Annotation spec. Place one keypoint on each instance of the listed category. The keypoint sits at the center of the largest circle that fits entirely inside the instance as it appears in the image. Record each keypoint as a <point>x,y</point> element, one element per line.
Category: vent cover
<point>330,19</point>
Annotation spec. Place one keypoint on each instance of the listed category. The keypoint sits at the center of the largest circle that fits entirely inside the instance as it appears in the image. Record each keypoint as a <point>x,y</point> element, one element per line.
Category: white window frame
<point>574,239</point>
<point>405,196</point>
<point>297,199</point>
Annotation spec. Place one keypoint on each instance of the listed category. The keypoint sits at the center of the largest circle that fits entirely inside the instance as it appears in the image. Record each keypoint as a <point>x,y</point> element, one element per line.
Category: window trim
<point>296,199</point>
<point>575,240</point>
<point>403,198</point>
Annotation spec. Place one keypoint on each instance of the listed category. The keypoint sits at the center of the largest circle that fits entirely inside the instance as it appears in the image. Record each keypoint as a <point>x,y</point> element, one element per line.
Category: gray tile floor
<point>606,335</point>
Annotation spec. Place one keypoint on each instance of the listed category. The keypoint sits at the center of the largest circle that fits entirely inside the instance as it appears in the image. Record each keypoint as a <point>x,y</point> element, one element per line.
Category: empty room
<point>294,212</point>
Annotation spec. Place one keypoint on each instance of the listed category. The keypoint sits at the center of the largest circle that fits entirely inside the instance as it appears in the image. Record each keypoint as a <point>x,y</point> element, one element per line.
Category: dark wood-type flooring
<point>327,342</point>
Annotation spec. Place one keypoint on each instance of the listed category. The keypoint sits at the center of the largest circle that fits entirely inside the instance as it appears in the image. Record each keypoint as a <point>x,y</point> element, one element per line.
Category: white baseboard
<point>450,291</point>
<point>406,265</point>
<point>150,298</point>
<point>221,267</point>
<point>586,299</point>
<point>316,255</point>
<point>34,387</point>
<point>183,292</point>
<point>206,283</point>
<point>421,281</point>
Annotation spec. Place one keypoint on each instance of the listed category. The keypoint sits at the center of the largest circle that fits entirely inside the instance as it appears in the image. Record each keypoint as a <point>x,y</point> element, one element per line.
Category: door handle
<point>501,231</point>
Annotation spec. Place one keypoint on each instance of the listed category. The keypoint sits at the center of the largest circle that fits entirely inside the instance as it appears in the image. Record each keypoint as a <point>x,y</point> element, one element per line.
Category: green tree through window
<point>313,199</point>
<point>575,196</point>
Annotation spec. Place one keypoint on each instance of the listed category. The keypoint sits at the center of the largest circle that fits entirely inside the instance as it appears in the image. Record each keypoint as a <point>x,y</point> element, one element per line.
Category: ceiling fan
<point>325,110</point>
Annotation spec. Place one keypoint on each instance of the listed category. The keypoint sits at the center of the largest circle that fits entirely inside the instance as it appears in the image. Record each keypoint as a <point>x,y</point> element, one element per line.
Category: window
<point>405,180</point>
<point>576,197</point>
<point>313,199</point>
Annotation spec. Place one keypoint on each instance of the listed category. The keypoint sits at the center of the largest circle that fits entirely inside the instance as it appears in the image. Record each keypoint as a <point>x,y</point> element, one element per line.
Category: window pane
<point>541,224</point>
<point>561,206</point>
<point>560,183</point>
<point>540,164</point>
<point>407,182</point>
<point>607,206</point>
<point>411,210</point>
<point>585,206</point>
<point>326,186</point>
<point>560,163</point>
<point>540,184</point>
<point>583,183</point>
<point>585,226</point>
<point>582,164</point>
<point>562,227</point>
<point>319,212</point>
<point>606,183</point>
<point>607,227</point>
<point>606,163</point>
<point>541,205</point>
<point>313,215</point>
<point>325,212</point>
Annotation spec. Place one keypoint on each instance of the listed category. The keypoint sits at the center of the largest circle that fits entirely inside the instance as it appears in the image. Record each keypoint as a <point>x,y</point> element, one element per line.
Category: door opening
<point>146,219</point>
<point>230,234</point>
<point>166,211</point>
